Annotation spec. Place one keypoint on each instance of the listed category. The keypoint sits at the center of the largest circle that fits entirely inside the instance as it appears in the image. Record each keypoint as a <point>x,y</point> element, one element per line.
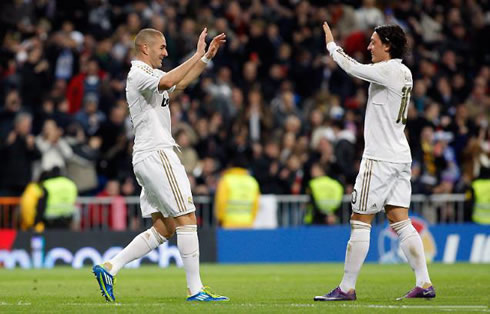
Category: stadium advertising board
<point>443,243</point>
<point>30,250</point>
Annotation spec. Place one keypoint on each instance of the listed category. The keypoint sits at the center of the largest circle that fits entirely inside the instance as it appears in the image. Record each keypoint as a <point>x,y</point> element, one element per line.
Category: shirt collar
<point>143,65</point>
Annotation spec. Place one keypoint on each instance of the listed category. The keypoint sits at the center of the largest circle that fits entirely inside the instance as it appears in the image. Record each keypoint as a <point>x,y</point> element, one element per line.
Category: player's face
<point>379,51</point>
<point>158,51</point>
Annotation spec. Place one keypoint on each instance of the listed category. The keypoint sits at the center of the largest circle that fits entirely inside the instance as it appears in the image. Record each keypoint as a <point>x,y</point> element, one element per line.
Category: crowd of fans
<point>272,96</point>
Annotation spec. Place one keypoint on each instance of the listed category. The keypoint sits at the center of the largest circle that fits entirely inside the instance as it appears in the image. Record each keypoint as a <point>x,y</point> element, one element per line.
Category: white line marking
<point>369,306</point>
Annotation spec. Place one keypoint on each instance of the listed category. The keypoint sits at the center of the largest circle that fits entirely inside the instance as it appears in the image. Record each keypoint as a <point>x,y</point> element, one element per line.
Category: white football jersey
<point>386,110</point>
<point>149,110</point>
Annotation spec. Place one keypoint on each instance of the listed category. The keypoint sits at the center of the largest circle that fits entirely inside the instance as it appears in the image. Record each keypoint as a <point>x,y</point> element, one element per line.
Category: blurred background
<point>272,107</point>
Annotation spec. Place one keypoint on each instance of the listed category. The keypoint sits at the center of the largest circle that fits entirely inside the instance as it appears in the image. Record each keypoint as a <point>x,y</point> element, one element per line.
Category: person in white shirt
<point>166,193</point>
<point>383,182</point>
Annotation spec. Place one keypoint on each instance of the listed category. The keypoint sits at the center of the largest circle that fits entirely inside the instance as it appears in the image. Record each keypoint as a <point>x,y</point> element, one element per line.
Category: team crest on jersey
<point>189,200</point>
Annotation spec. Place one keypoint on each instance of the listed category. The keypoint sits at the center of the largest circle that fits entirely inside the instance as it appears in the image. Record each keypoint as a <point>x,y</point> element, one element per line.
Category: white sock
<point>141,245</point>
<point>188,244</point>
<point>412,247</point>
<point>357,249</point>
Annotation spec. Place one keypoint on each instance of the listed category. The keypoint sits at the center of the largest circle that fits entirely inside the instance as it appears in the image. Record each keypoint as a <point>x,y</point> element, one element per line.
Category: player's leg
<point>413,248</point>
<point>148,173</point>
<point>143,243</point>
<point>397,204</point>
<point>365,204</point>
<point>357,249</point>
<point>180,206</point>
<point>188,244</point>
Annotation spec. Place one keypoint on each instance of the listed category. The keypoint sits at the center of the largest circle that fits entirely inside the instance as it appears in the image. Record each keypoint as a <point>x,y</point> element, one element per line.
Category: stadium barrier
<point>123,213</point>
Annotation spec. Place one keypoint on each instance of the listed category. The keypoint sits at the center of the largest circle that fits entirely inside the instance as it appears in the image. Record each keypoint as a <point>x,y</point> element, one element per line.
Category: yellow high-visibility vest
<point>237,199</point>
<point>481,208</point>
<point>327,194</point>
<point>62,195</point>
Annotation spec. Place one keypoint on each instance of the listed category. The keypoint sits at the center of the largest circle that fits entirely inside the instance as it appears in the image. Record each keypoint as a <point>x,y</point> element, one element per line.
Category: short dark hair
<point>394,36</point>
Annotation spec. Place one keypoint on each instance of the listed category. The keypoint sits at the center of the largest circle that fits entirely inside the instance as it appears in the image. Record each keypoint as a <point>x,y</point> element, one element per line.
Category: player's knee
<point>357,224</point>
<point>163,231</point>
<point>170,233</point>
<point>404,229</point>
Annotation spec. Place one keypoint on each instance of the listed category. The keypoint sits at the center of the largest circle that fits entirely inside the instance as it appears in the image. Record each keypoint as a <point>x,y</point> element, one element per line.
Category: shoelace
<point>210,292</point>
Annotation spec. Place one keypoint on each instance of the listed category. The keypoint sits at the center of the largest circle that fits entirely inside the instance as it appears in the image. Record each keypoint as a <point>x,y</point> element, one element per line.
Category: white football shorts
<point>165,186</point>
<point>381,183</point>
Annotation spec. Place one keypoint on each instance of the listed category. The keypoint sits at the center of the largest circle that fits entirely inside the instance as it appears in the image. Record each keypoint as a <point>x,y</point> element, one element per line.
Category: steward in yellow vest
<point>326,197</point>
<point>237,199</point>
<point>481,206</point>
<point>57,206</point>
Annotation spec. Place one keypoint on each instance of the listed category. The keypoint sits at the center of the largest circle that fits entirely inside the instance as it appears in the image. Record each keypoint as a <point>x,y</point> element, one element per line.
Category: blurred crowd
<point>272,96</point>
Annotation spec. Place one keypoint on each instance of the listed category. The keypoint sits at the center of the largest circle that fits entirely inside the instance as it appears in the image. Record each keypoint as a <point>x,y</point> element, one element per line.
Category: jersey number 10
<point>403,105</point>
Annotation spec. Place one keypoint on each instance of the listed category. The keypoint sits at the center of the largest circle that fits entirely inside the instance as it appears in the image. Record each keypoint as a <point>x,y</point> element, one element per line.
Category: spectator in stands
<point>17,153</point>
<point>187,154</point>
<point>55,151</point>
<point>90,117</point>
<point>83,84</point>
<point>34,78</point>
<point>11,107</point>
<point>114,141</point>
<point>81,167</point>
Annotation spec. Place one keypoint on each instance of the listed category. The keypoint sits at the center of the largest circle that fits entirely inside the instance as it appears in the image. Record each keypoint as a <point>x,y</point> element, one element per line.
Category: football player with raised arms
<point>383,182</point>
<point>166,193</point>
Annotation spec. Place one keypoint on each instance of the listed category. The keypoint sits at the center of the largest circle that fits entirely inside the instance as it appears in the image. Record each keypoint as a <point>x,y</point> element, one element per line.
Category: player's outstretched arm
<point>176,75</point>
<point>328,33</point>
<point>199,67</point>
<point>375,73</point>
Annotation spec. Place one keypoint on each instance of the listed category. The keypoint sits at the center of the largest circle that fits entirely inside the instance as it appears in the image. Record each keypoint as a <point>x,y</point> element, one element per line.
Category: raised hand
<point>215,44</point>
<point>328,33</point>
<point>201,43</point>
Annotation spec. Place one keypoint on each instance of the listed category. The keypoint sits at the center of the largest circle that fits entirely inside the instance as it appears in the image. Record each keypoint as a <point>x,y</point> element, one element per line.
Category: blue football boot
<point>106,282</point>
<point>206,295</point>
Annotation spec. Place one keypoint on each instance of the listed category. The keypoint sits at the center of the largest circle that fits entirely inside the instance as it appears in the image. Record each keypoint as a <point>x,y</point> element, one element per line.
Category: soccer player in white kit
<point>166,193</point>
<point>383,182</point>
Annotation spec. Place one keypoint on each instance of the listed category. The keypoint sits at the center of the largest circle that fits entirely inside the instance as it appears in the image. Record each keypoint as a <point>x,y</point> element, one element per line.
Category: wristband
<point>205,60</point>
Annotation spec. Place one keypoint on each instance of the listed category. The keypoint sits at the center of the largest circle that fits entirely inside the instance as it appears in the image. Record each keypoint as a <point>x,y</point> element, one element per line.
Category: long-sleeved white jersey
<point>386,110</point>
<point>149,110</point>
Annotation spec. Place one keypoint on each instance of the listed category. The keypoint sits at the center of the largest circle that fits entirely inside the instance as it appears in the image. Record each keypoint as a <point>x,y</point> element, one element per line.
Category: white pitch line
<point>440,307</point>
<point>448,308</point>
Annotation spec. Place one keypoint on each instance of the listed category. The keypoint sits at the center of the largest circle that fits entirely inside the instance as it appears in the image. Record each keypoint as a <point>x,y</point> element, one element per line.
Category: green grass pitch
<point>254,288</point>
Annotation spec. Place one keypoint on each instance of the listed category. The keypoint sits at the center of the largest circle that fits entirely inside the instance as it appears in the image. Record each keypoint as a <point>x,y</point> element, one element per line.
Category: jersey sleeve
<point>171,89</point>
<point>375,73</point>
<point>146,82</point>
